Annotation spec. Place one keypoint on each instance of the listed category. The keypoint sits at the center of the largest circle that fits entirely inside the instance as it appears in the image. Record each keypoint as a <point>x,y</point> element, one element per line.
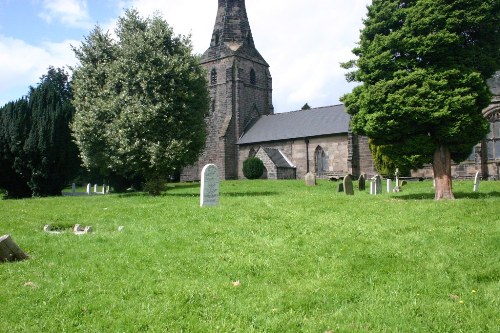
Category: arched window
<point>321,160</point>
<point>253,79</point>
<point>252,152</point>
<point>213,76</point>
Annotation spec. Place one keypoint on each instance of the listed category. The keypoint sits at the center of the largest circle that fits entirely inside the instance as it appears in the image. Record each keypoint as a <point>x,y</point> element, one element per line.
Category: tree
<point>141,100</point>
<point>253,168</point>
<point>423,65</point>
<point>38,157</point>
<point>306,107</point>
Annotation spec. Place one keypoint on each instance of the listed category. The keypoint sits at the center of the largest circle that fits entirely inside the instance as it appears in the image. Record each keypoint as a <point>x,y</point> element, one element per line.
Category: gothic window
<point>253,79</point>
<point>252,152</point>
<point>213,76</point>
<point>321,160</point>
<point>493,141</point>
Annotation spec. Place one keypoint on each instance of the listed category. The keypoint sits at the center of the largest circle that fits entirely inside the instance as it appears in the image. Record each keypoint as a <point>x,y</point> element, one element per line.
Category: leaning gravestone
<point>348,187</point>
<point>362,183</point>
<point>310,179</point>
<point>209,192</point>
<point>340,187</point>
<point>476,182</point>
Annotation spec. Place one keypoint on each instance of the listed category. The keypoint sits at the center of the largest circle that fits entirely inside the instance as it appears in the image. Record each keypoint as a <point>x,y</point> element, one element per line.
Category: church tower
<point>240,87</point>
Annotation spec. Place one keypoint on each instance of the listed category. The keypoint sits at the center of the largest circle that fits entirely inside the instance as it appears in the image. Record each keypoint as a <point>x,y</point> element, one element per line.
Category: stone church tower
<point>240,87</point>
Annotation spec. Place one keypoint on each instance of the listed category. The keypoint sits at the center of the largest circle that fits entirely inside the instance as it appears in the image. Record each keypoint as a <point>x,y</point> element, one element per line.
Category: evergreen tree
<point>141,100</point>
<point>423,65</point>
<point>38,157</point>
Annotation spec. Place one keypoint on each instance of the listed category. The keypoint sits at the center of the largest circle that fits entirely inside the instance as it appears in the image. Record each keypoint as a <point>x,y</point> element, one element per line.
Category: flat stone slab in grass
<point>209,192</point>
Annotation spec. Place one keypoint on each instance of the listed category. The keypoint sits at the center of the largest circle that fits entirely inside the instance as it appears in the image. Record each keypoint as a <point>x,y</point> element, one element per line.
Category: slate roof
<point>326,120</point>
<point>277,157</point>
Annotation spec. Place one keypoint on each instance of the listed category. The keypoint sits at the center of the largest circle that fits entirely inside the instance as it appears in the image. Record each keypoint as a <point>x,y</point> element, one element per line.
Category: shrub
<point>253,168</point>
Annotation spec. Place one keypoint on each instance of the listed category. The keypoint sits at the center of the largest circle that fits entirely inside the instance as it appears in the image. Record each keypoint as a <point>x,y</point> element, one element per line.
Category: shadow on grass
<point>458,195</point>
<point>222,194</point>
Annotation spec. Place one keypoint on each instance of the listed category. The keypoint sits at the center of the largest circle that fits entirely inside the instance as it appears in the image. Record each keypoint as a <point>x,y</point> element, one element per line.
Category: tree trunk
<point>9,251</point>
<point>442,173</point>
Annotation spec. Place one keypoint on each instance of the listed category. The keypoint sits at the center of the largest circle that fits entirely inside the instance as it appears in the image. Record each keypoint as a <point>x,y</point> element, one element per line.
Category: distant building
<point>242,122</point>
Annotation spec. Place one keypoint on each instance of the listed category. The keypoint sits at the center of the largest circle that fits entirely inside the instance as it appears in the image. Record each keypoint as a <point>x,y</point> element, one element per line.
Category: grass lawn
<point>275,256</point>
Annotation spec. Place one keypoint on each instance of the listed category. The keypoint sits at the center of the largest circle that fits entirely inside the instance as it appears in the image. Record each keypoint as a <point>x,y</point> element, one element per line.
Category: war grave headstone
<point>362,183</point>
<point>310,179</point>
<point>209,192</point>
<point>348,186</point>
<point>476,182</point>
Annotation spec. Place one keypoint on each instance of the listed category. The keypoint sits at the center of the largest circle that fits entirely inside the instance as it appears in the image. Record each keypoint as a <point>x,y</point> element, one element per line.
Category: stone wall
<point>335,147</point>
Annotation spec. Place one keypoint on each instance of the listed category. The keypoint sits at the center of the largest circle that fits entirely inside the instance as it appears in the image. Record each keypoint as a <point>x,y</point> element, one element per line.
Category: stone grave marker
<point>362,183</point>
<point>73,188</point>
<point>348,187</point>
<point>310,179</point>
<point>378,184</point>
<point>209,192</point>
<point>88,188</point>
<point>95,188</point>
<point>476,182</point>
<point>340,187</point>
<point>103,188</point>
<point>389,185</point>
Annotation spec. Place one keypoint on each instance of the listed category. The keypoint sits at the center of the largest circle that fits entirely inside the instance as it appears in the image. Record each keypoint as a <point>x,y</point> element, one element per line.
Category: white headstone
<point>95,188</point>
<point>73,188</point>
<point>372,187</point>
<point>88,188</point>
<point>476,182</point>
<point>389,185</point>
<point>209,192</point>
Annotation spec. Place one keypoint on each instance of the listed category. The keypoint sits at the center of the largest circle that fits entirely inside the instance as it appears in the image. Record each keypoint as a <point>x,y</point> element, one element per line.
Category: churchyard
<point>273,256</point>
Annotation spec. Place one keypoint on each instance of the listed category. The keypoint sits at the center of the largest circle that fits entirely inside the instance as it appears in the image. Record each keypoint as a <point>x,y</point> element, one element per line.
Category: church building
<point>242,122</point>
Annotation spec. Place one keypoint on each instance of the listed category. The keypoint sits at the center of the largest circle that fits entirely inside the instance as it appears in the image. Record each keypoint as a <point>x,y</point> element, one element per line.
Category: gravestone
<point>88,188</point>
<point>95,188</point>
<point>103,188</point>
<point>476,182</point>
<point>397,188</point>
<point>362,183</point>
<point>389,185</point>
<point>348,187</point>
<point>209,192</point>
<point>340,188</point>
<point>310,179</point>
<point>73,188</point>
<point>378,184</point>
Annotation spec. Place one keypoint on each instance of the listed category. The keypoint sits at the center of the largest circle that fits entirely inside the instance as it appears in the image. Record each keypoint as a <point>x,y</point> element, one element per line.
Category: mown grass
<point>275,256</point>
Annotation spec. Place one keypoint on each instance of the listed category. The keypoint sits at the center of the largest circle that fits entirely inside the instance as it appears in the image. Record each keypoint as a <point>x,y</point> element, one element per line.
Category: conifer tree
<point>423,65</point>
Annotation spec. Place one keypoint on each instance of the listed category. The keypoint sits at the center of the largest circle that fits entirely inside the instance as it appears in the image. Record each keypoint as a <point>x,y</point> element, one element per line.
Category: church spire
<point>232,34</point>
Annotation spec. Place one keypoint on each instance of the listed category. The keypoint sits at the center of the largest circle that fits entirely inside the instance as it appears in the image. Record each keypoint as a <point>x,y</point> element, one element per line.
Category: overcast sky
<point>303,41</point>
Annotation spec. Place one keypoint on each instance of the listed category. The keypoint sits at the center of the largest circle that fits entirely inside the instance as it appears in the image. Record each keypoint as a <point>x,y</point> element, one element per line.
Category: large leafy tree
<point>37,155</point>
<point>141,100</point>
<point>423,65</point>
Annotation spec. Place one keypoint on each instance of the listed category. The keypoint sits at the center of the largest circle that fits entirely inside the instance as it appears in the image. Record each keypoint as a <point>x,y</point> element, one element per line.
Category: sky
<point>304,42</point>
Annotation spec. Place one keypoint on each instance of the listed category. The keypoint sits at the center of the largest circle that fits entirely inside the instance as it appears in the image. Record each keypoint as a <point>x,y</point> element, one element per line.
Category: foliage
<point>306,107</point>
<point>253,168</point>
<point>423,67</point>
<point>141,100</point>
<point>384,164</point>
<point>403,263</point>
<point>37,155</point>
